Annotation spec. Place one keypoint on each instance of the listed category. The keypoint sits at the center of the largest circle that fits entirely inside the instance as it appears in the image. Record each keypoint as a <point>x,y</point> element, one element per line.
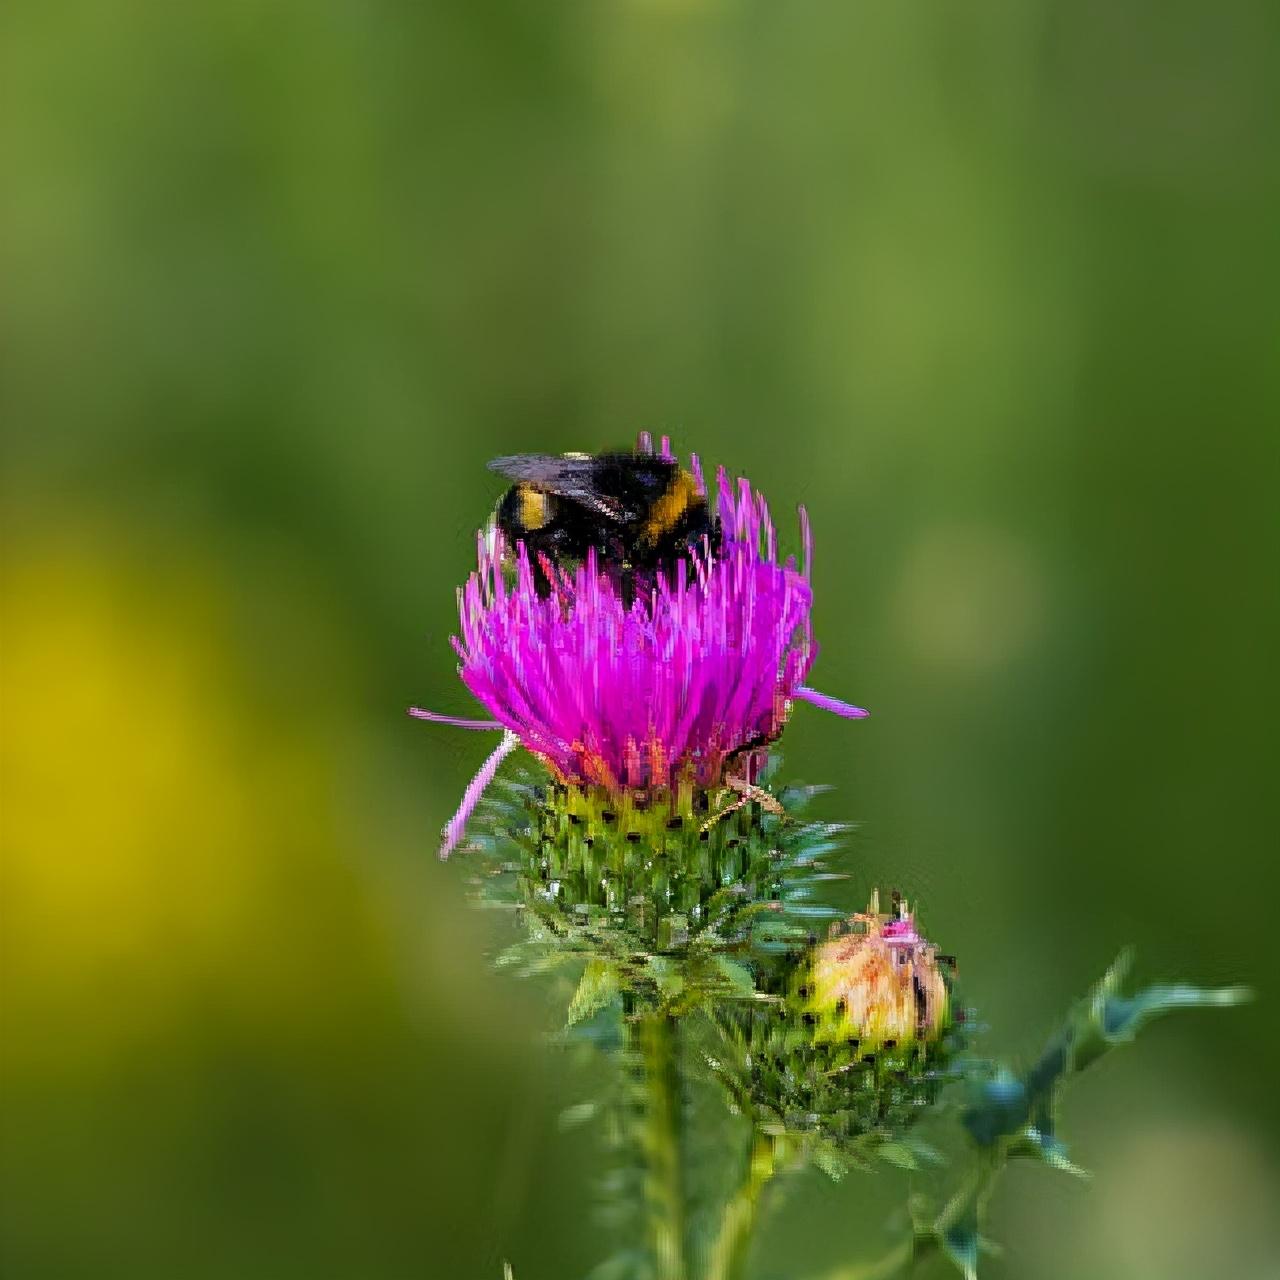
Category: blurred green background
<point>991,287</point>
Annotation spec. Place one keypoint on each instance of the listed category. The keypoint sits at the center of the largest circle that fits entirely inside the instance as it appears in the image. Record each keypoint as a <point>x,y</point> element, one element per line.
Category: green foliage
<point>598,986</point>
<point>691,930</point>
<point>683,912</point>
<point>676,903</point>
<point>1011,1116</point>
<point>859,1101</point>
<point>1021,1110</point>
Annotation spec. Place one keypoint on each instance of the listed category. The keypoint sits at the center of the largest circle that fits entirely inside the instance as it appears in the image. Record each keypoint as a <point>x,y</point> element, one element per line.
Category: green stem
<point>898,1261</point>
<point>727,1258</point>
<point>967,1203</point>
<point>657,1038</point>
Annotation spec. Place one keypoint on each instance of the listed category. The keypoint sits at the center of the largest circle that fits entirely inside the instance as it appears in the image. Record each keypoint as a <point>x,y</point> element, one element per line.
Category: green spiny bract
<point>664,873</point>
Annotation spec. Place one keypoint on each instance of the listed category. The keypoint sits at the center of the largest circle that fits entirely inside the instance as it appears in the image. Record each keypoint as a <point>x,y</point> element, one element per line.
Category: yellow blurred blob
<point>159,831</point>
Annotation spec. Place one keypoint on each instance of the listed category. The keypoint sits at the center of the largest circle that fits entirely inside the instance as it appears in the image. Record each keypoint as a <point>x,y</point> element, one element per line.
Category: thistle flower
<point>685,685</point>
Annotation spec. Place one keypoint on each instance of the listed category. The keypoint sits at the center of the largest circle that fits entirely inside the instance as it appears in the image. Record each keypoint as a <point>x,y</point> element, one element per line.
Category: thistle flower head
<point>676,686</point>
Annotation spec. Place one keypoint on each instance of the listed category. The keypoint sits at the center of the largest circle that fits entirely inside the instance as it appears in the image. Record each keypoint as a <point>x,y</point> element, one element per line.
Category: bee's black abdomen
<point>641,514</point>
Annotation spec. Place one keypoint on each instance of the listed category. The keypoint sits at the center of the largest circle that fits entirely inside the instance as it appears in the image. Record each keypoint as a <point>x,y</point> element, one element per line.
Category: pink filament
<point>475,789</point>
<point>828,703</point>
<point>458,722</point>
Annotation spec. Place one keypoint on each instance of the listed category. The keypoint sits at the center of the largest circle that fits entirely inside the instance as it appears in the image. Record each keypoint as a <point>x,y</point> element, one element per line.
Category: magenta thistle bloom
<point>675,686</point>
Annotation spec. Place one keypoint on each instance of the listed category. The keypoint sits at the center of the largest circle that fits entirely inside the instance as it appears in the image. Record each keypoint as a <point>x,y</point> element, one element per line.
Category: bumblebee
<point>640,512</point>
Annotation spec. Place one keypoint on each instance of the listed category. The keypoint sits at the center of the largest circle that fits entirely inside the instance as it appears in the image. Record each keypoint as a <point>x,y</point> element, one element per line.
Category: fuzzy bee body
<point>640,513</point>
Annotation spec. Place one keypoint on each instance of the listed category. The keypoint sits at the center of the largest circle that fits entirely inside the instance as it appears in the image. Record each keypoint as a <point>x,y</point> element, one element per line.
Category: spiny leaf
<point>814,911</point>
<point>578,1114</point>
<point>1051,1150</point>
<point>960,1244</point>
<point>598,985</point>
<point>795,797</point>
<point>828,1157</point>
<point>908,1152</point>
<point>738,977</point>
<point>666,975</point>
<point>1004,1106</point>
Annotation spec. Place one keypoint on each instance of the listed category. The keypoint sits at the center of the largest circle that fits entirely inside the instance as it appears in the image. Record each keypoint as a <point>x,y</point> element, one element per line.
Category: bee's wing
<point>574,478</point>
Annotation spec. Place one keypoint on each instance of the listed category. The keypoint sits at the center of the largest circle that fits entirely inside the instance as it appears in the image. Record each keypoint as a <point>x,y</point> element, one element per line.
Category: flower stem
<point>896,1262</point>
<point>727,1258</point>
<point>965,1205</point>
<point>657,1038</point>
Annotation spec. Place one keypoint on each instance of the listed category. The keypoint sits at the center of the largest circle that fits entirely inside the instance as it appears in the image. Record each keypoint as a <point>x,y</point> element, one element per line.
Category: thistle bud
<point>876,981</point>
<point>856,1046</point>
<point>659,864</point>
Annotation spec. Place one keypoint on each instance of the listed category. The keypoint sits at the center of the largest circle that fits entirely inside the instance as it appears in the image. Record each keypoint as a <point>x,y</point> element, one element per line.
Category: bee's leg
<point>724,813</point>
<point>747,792</point>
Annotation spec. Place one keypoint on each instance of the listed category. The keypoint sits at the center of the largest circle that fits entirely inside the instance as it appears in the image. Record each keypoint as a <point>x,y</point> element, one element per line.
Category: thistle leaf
<point>739,978</point>
<point>578,1114</point>
<point>828,1158</point>
<point>1006,1106</point>
<point>598,985</point>
<point>960,1244</point>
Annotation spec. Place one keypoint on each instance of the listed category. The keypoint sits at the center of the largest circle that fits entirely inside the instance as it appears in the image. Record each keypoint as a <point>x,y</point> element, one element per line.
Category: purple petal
<point>642,693</point>
<point>828,703</point>
<point>457,721</point>
<point>475,789</point>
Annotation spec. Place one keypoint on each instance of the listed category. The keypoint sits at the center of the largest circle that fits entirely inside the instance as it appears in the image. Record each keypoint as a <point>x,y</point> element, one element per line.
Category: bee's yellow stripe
<point>533,507</point>
<point>670,507</point>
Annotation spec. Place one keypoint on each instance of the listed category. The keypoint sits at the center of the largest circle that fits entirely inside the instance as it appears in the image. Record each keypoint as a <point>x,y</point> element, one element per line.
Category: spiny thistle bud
<point>662,864</point>
<point>653,871</point>
<point>855,1046</point>
<point>876,981</point>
